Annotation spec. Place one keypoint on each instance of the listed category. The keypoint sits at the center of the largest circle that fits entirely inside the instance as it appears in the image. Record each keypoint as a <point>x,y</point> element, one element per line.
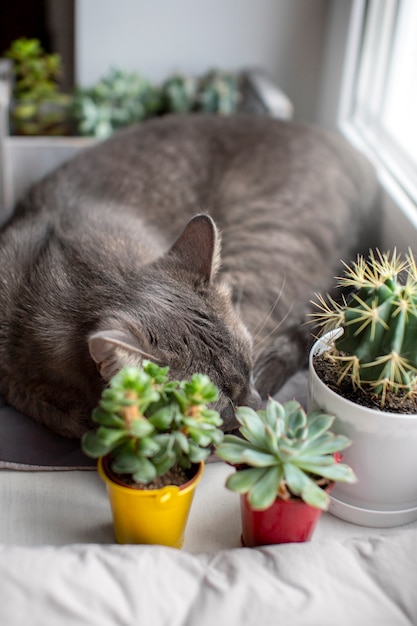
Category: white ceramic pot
<point>383,455</point>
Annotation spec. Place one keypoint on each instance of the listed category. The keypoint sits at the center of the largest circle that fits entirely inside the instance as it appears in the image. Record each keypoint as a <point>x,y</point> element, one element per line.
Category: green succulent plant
<point>39,105</point>
<point>284,452</point>
<point>377,350</point>
<point>179,93</point>
<point>120,98</point>
<point>149,423</point>
<point>218,92</point>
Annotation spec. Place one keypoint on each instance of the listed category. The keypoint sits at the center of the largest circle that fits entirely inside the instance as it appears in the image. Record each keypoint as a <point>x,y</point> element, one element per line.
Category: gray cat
<point>115,257</point>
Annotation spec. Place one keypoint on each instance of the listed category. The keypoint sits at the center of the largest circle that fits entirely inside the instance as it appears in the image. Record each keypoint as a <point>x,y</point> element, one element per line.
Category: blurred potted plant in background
<point>219,92</point>
<point>179,93</point>
<point>90,113</point>
<point>120,98</point>
<point>152,439</point>
<point>38,106</point>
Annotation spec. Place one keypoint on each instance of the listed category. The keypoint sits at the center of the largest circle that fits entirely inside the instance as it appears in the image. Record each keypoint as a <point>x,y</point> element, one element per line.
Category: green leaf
<point>197,424</point>
<point>318,423</point>
<point>338,471</point>
<point>265,490</point>
<point>257,458</point>
<point>162,418</point>
<point>197,454</point>
<point>200,438</point>
<point>141,428</point>
<point>325,444</point>
<point>245,413</point>
<point>182,442</point>
<point>286,451</point>
<point>110,437</point>
<point>148,447</point>
<point>170,386</point>
<point>212,417</point>
<point>109,406</point>
<point>159,374</point>
<point>126,463</point>
<point>274,416</point>
<point>164,464</point>
<point>315,496</point>
<point>216,436</point>
<point>107,418</point>
<point>291,407</point>
<point>322,460</point>
<point>232,449</point>
<point>145,473</point>
<point>242,480</point>
<point>252,426</point>
<point>300,484</point>
<point>165,443</point>
<point>295,478</point>
<point>200,390</point>
<point>296,419</point>
<point>181,399</point>
<point>252,437</point>
<point>271,440</point>
<point>92,446</point>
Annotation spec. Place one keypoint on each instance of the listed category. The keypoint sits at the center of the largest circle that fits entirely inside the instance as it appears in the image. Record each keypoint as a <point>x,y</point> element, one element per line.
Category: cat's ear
<point>198,247</point>
<point>113,349</point>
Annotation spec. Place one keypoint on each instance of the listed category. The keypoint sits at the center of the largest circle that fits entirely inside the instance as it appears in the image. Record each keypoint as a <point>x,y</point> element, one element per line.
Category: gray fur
<point>103,264</point>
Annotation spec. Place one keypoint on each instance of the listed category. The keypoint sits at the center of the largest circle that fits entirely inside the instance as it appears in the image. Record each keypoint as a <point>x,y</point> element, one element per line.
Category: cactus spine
<point>378,347</point>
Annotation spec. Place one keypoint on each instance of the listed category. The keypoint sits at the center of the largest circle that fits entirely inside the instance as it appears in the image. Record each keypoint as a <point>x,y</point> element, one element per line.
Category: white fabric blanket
<point>364,581</point>
<point>365,578</point>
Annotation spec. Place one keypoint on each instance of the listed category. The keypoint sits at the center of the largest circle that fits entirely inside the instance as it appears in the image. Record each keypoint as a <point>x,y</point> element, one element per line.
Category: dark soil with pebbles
<point>175,476</point>
<point>394,403</point>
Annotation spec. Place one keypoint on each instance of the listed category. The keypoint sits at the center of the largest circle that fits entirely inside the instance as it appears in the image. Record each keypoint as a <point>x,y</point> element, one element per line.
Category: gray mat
<point>26,445</point>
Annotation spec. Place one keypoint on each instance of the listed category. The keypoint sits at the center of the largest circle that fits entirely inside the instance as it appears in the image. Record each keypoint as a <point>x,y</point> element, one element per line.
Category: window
<point>379,101</point>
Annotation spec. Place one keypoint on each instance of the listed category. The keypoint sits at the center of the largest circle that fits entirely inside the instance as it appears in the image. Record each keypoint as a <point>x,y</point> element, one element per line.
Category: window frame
<point>399,205</point>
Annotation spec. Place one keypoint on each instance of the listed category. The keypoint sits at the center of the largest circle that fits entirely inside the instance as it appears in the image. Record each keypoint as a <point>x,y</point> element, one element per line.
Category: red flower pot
<point>285,521</point>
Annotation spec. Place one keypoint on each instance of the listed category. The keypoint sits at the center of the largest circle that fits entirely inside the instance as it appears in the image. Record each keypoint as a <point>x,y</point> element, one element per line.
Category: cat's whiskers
<point>261,325</point>
<point>238,300</point>
<point>260,343</point>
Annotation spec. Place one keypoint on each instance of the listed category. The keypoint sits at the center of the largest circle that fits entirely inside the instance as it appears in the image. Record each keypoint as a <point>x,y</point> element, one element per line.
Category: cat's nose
<point>250,398</point>
<point>229,418</point>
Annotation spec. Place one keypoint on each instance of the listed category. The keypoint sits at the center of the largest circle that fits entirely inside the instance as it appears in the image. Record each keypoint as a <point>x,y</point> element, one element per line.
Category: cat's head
<point>183,317</point>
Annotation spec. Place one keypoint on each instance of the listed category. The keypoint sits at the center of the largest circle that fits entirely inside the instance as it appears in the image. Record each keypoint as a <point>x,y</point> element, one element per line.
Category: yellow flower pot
<point>157,516</point>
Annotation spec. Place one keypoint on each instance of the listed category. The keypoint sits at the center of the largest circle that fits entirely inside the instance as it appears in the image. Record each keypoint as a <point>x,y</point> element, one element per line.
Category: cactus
<point>378,348</point>
<point>149,423</point>
<point>283,453</point>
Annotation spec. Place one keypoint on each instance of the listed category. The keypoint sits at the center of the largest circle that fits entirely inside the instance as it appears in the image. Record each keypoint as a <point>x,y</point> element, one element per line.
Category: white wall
<point>158,37</point>
<point>334,63</point>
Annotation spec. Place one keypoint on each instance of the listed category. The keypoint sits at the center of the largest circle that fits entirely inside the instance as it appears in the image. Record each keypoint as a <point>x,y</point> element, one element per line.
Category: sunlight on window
<point>383,102</point>
<point>399,112</point>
